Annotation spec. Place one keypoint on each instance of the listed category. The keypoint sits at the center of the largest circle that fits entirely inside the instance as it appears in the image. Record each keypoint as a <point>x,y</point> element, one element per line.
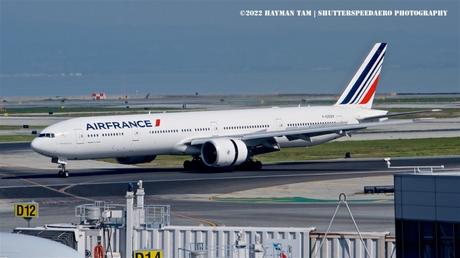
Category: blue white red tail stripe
<point>370,77</point>
<point>361,89</point>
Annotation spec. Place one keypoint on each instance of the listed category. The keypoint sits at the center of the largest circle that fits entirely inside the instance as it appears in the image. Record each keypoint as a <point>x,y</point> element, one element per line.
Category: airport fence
<point>379,245</point>
<point>226,242</point>
<point>212,242</point>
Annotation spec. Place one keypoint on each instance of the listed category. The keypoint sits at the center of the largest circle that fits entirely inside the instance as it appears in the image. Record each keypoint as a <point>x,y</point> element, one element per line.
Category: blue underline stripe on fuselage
<point>369,79</point>
<point>363,74</point>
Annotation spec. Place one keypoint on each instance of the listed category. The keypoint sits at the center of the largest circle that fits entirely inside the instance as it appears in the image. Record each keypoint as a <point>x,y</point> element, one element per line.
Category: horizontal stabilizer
<point>400,114</point>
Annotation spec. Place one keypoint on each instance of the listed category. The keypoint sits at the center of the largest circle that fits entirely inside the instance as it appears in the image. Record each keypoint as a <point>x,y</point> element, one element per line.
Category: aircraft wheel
<point>197,164</point>
<point>187,164</point>
<point>63,173</point>
<point>257,165</point>
<point>250,165</point>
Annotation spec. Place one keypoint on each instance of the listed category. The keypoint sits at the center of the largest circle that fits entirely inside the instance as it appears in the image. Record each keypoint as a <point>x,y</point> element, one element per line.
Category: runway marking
<point>231,177</point>
<point>72,185</point>
<point>58,191</point>
<point>62,191</point>
<point>210,223</point>
<point>66,187</point>
<point>48,187</point>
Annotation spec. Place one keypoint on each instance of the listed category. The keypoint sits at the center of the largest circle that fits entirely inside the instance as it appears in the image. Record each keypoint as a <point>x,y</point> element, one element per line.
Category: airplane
<point>15,245</point>
<point>219,139</point>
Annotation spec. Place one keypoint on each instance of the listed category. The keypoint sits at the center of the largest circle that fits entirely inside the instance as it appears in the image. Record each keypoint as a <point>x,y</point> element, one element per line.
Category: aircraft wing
<point>320,130</point>
<point>303,132</point>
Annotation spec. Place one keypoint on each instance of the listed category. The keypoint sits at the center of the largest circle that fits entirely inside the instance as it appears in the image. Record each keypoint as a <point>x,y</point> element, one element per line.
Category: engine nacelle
<point>135,159</point>
<point>224,152</point>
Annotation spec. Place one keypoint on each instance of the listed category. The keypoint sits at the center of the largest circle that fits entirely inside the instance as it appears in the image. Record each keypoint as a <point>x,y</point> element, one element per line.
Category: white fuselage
<point>169,133</point>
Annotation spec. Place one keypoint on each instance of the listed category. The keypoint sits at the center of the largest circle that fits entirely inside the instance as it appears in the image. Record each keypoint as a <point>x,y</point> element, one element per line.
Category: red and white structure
<point>99,95</point>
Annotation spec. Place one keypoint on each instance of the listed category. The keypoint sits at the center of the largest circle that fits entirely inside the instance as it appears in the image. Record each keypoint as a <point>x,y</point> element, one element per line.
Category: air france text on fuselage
<point>119,125</point>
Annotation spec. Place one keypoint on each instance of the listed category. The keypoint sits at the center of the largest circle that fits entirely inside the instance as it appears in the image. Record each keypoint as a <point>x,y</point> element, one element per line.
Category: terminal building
<point>427,214</point>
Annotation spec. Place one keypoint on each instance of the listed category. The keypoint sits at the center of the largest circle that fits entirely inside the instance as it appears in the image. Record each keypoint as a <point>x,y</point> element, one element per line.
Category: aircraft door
<point>279,125</point>
<point>79,136</point>
<point>214,129</point>
<point>135,135</point>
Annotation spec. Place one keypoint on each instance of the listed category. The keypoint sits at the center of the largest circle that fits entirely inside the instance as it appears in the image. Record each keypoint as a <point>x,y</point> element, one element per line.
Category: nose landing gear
<point>63,172</point>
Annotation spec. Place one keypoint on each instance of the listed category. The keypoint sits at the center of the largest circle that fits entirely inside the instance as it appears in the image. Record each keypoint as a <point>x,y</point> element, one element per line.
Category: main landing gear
<point>250,164</point>
<point>197,164</point>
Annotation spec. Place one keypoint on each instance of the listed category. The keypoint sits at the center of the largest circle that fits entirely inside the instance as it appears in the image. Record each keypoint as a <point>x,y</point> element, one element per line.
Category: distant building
<point>99,95</point>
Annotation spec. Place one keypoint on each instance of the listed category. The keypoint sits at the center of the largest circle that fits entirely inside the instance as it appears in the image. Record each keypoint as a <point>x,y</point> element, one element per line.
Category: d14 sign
<point>148,254</point>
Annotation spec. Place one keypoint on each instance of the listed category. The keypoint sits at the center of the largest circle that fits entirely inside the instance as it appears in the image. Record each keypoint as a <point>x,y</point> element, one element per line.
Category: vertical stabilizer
<point>361,89</point>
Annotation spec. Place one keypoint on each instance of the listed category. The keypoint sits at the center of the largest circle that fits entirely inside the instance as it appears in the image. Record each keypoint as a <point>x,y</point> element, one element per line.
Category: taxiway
<point>191,194</point>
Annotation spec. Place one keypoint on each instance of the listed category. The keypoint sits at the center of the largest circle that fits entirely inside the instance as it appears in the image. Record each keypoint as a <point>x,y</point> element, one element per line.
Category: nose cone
<point>39,145</point>
<point>35,145</point>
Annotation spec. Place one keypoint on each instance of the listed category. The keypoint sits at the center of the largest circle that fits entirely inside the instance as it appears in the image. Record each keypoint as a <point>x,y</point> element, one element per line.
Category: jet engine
<point>224,152</point>
<point>135,159</point>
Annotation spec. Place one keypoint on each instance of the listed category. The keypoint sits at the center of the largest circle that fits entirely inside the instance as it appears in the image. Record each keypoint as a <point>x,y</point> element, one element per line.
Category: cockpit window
<point>47,135</point>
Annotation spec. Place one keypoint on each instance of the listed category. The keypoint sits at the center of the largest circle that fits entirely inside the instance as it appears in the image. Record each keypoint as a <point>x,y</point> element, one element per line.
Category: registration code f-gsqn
<point>251,13</point>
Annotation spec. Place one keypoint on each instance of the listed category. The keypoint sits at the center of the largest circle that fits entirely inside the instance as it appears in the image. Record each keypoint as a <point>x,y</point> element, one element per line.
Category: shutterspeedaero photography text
<point>316,13</point>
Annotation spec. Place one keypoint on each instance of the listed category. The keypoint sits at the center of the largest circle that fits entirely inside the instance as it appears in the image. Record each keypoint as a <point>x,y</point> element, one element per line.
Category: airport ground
<point>285,194</point>
<point>301,193</point>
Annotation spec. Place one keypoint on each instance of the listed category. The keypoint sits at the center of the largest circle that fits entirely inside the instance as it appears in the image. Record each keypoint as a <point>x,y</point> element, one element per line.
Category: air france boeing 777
<point>218,139</point>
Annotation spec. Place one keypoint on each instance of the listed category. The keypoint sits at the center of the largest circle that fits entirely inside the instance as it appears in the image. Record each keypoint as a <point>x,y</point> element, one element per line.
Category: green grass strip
<point>369,149</point>
<point>16,138</point>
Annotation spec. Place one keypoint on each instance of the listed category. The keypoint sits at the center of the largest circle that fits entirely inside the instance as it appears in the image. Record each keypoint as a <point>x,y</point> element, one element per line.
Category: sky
<point>68,48</point>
